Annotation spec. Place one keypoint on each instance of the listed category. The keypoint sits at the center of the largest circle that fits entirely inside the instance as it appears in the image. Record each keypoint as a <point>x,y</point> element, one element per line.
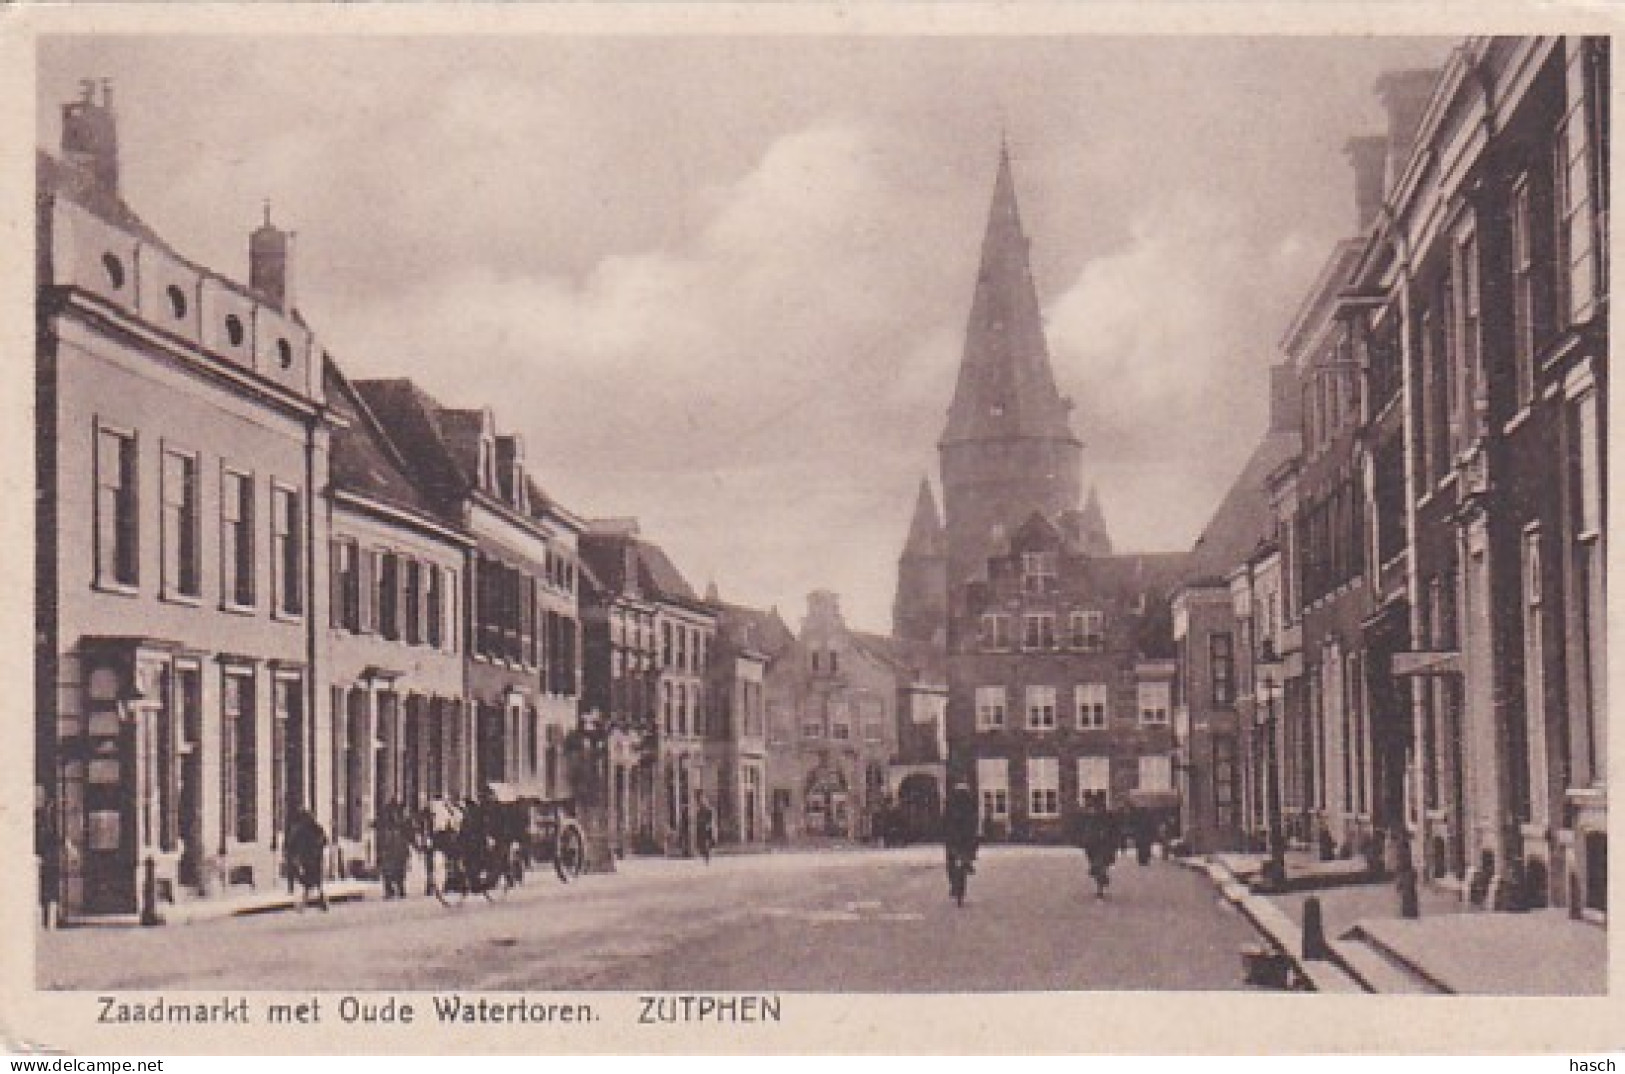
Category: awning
<point>1426,663</point>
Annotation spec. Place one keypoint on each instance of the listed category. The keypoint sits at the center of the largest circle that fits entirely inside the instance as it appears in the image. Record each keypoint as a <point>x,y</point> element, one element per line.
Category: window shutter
<point>367,566</point>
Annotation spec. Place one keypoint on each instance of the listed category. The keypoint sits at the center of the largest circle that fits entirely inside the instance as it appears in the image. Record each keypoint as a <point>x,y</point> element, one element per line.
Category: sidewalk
<point>237,904</point>
<point>1452,948</point>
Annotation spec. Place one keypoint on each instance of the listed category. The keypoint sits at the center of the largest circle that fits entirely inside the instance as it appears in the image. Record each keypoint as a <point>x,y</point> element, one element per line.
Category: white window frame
<point>1041,708</point>
<point>1094,774</point>
<point>1043,787</point>
<point>1154,701</point>
<point>1156,772</point>
<point>1093,706</point>
<point>993,787</point>
<point>992,708</point>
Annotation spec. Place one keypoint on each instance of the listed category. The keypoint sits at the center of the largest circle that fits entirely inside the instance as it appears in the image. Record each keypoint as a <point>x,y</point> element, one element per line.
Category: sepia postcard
<point>790,528</point>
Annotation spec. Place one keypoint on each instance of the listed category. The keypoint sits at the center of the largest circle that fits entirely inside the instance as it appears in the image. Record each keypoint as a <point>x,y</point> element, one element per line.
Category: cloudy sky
<point>720,283</point>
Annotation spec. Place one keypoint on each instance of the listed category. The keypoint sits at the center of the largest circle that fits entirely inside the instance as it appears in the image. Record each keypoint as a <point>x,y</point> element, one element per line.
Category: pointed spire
<point>711,594</point>
<point>925,534</point>
<point>1006,384</point>
<point>1097,540</point>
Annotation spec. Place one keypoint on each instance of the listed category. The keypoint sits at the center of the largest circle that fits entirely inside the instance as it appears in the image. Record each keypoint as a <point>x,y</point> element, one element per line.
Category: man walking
<point>705,827</point>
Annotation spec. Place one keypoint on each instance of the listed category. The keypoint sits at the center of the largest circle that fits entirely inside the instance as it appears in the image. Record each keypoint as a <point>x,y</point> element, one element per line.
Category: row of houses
<point>265,587</point>
<point>1393,642</point>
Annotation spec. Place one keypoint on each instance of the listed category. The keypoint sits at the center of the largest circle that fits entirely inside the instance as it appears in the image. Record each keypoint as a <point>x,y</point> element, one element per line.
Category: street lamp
<point>1275,869</point>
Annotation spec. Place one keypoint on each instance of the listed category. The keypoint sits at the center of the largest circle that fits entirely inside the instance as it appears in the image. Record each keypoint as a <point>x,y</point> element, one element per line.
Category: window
<point>1044,786</point>
<point>812,726</point>
<point>1092,699</point>
<point>990,703</point>
<point>840,715</point>
<point>1222,661</point>
<point>668,712</point>
<point>1523,292</point>
<point>182,559</point>
<point>995,631</point>
<point>1041,708</point>
<point>1038,631</point>
<point>346,610</point>
<point>1088,631</point>
<point>1154,702</point>
<point>116,522</point>
<point>1037,572</point>
<point>1156,772</point>
<point>1094,775</point>
<point>237,539</point>
<point>239,768</point>
<point>1469,374</point>
<point>665,646</point>
<point>993,780</point>
<point>1587,567</point>
<point>289,540</point>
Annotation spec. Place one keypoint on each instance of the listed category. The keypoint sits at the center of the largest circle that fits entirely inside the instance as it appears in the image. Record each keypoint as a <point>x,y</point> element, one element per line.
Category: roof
<point>1006,385</point>
<point>919,659</point>
<point>754,628</point>
<point>659,577</point>
<point>413,421</point>
<point>363,459</point>
<point>1244,516</point>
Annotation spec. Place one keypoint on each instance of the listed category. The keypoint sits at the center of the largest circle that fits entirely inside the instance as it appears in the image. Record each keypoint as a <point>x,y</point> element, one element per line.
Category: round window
<point>234,329</point>
<point>177,301</point>
<point>284,353</point>
<point>115,270</point>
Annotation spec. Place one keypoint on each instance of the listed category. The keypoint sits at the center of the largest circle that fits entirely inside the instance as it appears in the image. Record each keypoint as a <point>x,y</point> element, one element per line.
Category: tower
<point>1008,449</point>
<point>920,612</point>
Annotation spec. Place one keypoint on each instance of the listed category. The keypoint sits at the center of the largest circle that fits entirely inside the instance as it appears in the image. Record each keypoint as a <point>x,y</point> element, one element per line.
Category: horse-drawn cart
<point>485,847</point>
<point>543,829</point>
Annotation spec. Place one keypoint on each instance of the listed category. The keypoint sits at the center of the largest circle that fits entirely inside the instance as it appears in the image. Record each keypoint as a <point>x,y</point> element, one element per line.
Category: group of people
<point>470,842</point>
<point>1097,831</point>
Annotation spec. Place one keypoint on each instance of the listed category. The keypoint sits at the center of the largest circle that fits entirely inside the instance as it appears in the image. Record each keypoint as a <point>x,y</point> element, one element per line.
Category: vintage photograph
<point>738,514</point>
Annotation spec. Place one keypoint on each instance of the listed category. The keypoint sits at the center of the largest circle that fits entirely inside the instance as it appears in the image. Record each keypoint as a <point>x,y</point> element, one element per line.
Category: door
<point>107,818</point>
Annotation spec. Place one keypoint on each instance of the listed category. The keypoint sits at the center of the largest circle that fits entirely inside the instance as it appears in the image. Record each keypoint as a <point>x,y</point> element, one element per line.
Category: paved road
<point>829,921</point>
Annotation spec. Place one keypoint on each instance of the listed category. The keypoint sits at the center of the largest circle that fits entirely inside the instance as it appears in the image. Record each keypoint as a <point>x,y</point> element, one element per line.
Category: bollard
<point>149,894</point>
<point>1410,905</point>
<point>1314,930</point>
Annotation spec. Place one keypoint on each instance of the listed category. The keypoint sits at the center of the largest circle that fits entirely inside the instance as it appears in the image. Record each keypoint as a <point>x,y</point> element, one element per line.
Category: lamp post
<point>1275,869</point>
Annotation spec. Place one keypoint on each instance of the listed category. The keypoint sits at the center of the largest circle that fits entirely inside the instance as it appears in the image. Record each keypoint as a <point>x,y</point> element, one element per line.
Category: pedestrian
<point>705,827</point>
<point>394,850</point>
<point>960,838</point>
<point>1097,835</point>
<point>305,847</point>
<point>1140,823</point>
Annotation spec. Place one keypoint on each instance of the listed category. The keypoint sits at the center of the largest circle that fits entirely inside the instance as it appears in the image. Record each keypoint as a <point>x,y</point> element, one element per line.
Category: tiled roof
<point>754,628</point>
<point>1244,516</point>
<point>363,459</point>
<point>411,418</point>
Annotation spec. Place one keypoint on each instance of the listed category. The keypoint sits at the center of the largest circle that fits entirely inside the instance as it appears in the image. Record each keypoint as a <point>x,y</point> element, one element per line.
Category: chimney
<point>1369,156</point>
<point>90,134</point>
<point>270,263</point>
<point>1286,400</point>
<point>1406,95</point>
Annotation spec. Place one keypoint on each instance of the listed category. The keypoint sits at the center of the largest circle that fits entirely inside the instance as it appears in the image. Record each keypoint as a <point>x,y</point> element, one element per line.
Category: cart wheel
<point>570,857</point>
